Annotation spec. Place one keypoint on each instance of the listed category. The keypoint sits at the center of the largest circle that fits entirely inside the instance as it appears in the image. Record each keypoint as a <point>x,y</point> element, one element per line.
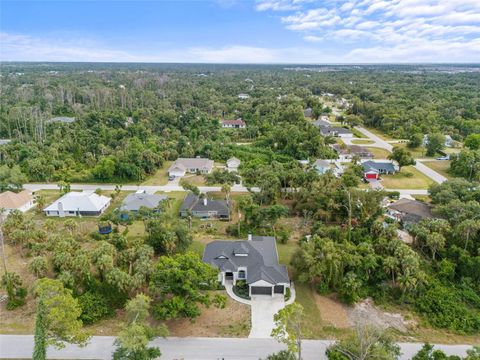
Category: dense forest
<point>131,118</point>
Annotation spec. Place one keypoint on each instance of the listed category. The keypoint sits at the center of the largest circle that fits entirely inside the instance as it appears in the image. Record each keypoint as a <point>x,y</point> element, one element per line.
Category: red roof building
<point>235,124</point>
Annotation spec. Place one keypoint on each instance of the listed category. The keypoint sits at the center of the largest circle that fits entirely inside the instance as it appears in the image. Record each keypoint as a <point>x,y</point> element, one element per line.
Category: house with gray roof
<point>254,261</point>
<point>373,169</point>
<point>133,202</point>
<point>322,166</point>
<point>335,131</point>
<point>190,165</point>
<point>204,208</point>
<point>321,122</point>
<point>409,212</point>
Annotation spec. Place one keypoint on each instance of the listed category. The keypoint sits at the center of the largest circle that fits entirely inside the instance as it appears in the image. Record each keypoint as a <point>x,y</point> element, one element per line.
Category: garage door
<point>278,289</point>
<point>261,290</point>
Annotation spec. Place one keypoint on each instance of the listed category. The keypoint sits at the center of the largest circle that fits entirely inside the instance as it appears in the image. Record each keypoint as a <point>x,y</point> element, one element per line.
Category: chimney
<point>249,237</point>
<point>205,201</point>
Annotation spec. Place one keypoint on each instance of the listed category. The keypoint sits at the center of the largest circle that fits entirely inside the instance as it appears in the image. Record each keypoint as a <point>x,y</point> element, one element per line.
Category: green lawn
<point>403,180</point>
<point>379,133</point>
<point>440,166</point>
<point>416,152</point>
<point>378,153</point>
<point>160,177</point>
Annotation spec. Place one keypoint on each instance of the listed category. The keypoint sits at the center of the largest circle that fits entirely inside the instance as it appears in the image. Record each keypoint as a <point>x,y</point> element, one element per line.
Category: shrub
<point>241,289</point>
<point>94,307</point>
<point>288,294</point>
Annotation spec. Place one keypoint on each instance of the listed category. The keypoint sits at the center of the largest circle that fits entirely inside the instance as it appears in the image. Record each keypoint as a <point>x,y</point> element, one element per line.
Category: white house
<point>85,203</point>
<point>449,142</point>
<point>232,164</point>
<point>234,124</point>
<point>243,96</point>
<point>190,165</point>
<point>10,201</point>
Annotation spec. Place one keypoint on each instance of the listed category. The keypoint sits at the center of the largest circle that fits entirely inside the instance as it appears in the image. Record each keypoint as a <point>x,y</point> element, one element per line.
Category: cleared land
<point>160,177</point>
<point>362,142</point>
<point>440,166</point>
<point>408,178</point>
<point>378,153</point>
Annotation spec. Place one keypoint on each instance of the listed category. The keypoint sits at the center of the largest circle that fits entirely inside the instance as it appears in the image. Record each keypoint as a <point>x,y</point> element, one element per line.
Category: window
<point>242,274</point>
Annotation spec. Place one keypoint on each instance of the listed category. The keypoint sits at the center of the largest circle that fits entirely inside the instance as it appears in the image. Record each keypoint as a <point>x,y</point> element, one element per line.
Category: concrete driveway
<point>263,309</point>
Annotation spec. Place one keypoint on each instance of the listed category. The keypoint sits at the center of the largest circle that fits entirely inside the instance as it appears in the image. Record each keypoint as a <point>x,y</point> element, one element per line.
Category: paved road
<point>148,188</point>
<point>432,174</point>
<point>377,141</point>
<point>101,347</point>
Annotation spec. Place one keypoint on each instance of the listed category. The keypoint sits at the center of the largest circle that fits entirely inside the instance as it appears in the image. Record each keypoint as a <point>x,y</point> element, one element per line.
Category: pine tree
<point>40,349</point>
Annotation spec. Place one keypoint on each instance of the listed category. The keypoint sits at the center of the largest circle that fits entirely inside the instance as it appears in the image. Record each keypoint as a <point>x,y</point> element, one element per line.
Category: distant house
<point>307,112</point>
<point>10,201</point>
<point>204,208</point>
<point>322,123</point>
<point>5,141</point>
<point>322,166</point>
<point>133,202</point>
<point>372,170</point>
<point>85,203</point>
<point>348,152</point>
<point>61,119</point>
<point>190,165</point>
<point>243,96</point>
<point>234,124</point>
<point>254,261</point>
<point>449,142</point>
<point>409,212</point>
<point>335,131</point>
<point>232,164</point>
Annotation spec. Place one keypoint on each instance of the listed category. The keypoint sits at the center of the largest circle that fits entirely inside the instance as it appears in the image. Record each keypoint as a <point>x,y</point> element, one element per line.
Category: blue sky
<point>241,31</point>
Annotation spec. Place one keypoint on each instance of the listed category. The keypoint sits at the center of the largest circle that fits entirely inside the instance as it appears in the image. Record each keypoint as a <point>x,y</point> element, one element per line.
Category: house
<point>22,201</point>
<point>335,131</point>
<point>409,212</point>
<point>372,170</point>
<point>5,141</point>
<point>449,142</point>
<point>307,112</point>
<point>234,124</point>
<point>204,208</point>
<point>232,164</point>
<point>133,202</point>
<point>254,261</point>
<point>322,166</point>
<point>348,152</point>
<point>321,123</point>
<point>243,96</point>
<point>85,203</point>
<point>190,165</point>
<point>61,119</point>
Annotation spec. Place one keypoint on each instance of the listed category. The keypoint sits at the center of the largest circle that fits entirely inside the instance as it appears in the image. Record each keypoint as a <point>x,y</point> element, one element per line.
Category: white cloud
<point>313,38</point>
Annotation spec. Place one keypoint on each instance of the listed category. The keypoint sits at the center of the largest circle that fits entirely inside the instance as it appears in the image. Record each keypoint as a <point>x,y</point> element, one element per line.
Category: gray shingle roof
<point>133,202</point>
<point>195,203</point>
<point>261,261</point>
<point>378,166</point>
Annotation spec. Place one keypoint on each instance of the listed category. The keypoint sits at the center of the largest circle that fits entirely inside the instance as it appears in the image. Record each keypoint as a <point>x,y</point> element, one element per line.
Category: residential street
<point>432,174</point>
<point>100,347</point>
<point>377,141</point>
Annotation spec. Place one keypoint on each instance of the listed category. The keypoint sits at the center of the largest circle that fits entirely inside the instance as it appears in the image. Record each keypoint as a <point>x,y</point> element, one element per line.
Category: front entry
<point>229,276</point>
<point>278,289</point>
<point>260,290</point>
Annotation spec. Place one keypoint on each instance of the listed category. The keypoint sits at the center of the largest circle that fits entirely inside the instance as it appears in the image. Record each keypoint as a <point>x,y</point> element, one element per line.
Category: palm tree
<point>467,228</point>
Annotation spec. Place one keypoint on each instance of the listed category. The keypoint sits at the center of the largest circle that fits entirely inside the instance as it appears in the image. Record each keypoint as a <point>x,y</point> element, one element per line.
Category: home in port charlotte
<point>254,261</point>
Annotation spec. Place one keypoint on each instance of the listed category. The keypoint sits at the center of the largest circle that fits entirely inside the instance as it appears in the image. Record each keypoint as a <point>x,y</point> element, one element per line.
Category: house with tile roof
<point>254,261</point>
<point>234,124</point>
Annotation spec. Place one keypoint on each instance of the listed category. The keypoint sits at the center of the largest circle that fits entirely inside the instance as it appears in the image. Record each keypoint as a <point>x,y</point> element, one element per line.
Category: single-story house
<point>348,152</point>
<point>84,203</point>
<point>190,165</point>
<point>322,166</point>
<point>5,141</point>
<point>234,124</point>
<point>61,119</point>
<point>321,123</point>
<point>204,208</point>
<point>307,112</point>
<point>449,142</point>
<point>133,202</point>
<point>243,96</point>
<point>232,164</point>
<point>409,212</point>
<point>254,261</point>
<point>335,131</point>
<point>22,201</point>
<point>373,169</point>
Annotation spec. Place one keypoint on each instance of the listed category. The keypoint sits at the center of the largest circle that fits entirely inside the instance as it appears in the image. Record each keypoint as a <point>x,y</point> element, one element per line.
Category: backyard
<point>408,178</point>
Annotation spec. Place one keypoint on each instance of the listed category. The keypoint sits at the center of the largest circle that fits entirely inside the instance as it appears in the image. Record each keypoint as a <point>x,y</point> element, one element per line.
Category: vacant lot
<point>378,153</point>
<point>362,142</point>
<point>440,166</point>
<point>408,178</point>
<point>160,177</point>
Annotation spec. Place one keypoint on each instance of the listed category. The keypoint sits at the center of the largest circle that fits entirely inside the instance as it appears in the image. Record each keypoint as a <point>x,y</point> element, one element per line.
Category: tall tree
<point>288,328</point>
<point>40,338</point>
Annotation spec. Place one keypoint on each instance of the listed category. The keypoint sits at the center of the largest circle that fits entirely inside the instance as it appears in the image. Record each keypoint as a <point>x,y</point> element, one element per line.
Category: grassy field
<point>160,177</point>
<point>440,166</point>
<point>378,153</point>
<point>379,133</point>
<point>416,152</point>
<point>403,179</point>
<point>362,142</point>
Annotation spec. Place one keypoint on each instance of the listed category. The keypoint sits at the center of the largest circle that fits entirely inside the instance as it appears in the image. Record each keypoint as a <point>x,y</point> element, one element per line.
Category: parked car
<point>444,158</point>
<point>171,178</point>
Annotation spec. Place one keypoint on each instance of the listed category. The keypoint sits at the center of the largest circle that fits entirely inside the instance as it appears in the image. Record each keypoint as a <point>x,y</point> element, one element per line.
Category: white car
<point>444,158</point>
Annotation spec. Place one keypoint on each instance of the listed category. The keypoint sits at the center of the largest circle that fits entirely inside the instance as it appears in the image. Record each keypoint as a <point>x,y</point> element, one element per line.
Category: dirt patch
<point>332,311</point>
<point>232,321</point>
<point>365,312</point>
